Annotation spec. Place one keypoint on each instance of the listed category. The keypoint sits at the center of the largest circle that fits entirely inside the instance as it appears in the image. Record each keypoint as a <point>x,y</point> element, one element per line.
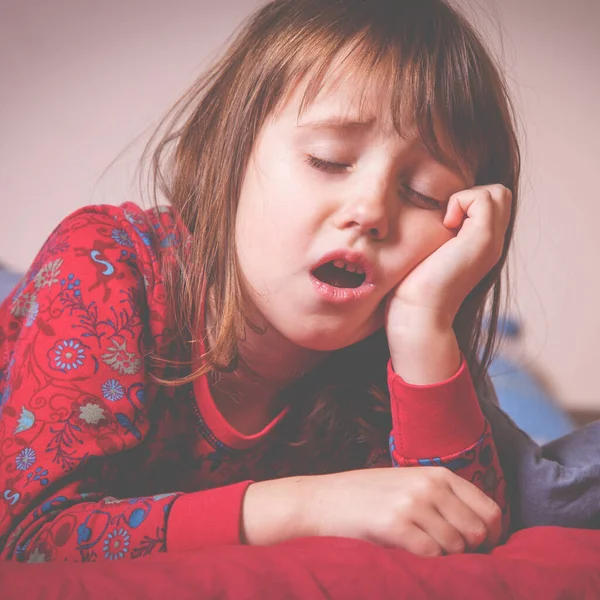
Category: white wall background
<point>81,80</point>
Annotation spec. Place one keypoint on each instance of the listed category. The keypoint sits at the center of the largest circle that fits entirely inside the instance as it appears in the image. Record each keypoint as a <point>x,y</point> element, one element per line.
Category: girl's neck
<point>268,363</point>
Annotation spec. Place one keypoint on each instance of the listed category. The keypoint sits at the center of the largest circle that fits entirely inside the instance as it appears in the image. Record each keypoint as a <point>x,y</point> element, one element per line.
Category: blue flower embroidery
<point>112,390</point>
<point>39,475</point>
<point>116,545</point>
<point>71,284</point>
<point>25,459</point>
<point>68,354</point>
<point>120,236</point>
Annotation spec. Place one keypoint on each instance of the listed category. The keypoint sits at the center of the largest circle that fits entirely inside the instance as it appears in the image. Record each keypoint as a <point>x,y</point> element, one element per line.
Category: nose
<point>367,211</point>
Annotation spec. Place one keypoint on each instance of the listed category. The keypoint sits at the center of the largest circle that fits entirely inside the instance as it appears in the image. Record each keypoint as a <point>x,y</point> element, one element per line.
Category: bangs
<point>438,81</point>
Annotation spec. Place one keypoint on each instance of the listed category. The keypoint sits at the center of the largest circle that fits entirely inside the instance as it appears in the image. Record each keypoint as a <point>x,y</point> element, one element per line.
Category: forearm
<point>440,422</point>
<point>106,528</point>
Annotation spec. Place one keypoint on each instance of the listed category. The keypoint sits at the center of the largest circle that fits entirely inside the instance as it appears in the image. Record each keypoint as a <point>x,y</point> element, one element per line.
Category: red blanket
<point>544,563</point>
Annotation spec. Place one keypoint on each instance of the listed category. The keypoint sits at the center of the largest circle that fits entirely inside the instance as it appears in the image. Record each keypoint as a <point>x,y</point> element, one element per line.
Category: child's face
<point>293,213</point>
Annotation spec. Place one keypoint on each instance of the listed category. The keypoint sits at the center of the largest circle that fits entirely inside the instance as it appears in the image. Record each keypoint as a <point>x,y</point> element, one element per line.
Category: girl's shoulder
<point>101,267</point>
<point>131,224</point>
<point>141,236</point>
<point>101,247</point>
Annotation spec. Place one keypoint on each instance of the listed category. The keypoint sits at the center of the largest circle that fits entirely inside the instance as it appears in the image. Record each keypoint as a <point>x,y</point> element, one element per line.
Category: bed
<point>544,563</point>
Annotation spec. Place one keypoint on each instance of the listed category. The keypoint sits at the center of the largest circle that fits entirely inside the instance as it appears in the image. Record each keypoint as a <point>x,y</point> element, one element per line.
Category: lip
<point>342,295</point>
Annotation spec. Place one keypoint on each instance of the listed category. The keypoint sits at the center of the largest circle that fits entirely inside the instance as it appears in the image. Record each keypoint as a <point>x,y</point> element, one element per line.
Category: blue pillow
<point>8,280</point>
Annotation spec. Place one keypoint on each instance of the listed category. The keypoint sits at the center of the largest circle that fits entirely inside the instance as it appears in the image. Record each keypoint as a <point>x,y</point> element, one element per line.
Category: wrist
<point>272,511</point>
<point>412,318</point>
<point>422,356</point>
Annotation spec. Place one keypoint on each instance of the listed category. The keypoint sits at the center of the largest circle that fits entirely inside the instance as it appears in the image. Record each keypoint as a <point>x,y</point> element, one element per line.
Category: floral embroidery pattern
<point>32,314</point>
<point>48,275</point>
<point>112,390</point>
<point>67,355</point>
<point>80,306</point>
<point>25,459</point>
<point>116,544</point>
<point>39,475</point>
<point>36,557</point>
<point>24,304</point>
<point>72,284</point>
<point>26,420</point>
<point>120,236</point>
<point>91,413</point>
<point>120,360</point>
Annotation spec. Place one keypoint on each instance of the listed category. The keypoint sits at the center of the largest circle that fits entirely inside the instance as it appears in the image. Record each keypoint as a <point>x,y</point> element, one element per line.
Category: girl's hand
<point>425,510</point>
<point>422,308</point>
<point>436,288</point>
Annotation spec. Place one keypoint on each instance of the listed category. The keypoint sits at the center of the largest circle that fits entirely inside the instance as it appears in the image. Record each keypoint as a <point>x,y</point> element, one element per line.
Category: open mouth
<point>340,274</point>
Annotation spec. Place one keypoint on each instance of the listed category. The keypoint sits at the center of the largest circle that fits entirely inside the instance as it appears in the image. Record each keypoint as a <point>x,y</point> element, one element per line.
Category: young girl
<point>335,202</point>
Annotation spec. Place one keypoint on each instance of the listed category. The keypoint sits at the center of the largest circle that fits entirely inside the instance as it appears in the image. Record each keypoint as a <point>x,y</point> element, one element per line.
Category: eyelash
<point>339,168</point>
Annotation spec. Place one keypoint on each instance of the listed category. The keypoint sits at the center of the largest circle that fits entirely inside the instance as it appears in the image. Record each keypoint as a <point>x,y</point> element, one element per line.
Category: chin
<point>329,341</point>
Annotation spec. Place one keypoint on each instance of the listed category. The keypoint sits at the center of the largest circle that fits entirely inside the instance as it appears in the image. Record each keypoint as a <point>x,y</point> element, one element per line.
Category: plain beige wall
<point>80,80</point>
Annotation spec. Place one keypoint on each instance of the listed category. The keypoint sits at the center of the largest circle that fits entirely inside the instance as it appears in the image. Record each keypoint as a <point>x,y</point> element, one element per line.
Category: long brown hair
<point>442,79</point>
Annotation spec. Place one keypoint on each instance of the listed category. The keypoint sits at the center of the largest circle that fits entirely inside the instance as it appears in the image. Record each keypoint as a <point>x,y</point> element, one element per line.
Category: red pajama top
<point>97,462</point>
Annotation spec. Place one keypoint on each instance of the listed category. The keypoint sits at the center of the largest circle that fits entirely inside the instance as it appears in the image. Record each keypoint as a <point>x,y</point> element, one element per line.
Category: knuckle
<point>495,512</point>
<point>386,520</point>
<point>494,515</point>
<point>426,488</point>
<point>411,504</point>
<point>499,190</point>
<point>439,475</point>
<point>476,536</point>
<point>395,519</point>
<point>487,194</point>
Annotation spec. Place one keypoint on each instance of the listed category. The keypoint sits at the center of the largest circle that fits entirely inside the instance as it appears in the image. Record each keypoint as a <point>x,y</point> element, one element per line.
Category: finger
<point>483,506</point>
<point>419,542</point>
<point>464,204</point>
<point>455,215</point>
<point>470,204</point>
<point>441,530</point>
<point>467,522</point>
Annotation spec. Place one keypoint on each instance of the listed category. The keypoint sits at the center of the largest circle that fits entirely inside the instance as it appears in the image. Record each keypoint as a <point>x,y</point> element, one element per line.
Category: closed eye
<point>421,200</point>
<point>338,168</point>
<point>324,165</point>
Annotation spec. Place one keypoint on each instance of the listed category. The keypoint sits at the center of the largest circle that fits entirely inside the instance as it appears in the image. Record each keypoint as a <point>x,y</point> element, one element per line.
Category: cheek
<point>420,236</point>
<point>439,235</point>
<point>427,232</point>
<point>268,229</point>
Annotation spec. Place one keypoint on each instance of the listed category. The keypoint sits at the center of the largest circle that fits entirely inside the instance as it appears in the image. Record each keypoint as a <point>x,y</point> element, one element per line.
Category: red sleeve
<point>442,425</point>
<point>74,391</point>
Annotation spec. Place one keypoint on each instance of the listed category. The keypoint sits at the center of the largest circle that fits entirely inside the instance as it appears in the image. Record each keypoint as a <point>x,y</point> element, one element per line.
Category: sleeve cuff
<point>206,518</point>
<point>435,420</point>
